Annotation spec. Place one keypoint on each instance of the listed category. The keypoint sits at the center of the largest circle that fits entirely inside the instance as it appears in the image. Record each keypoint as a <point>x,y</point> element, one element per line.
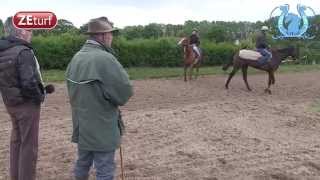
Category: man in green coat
<point>97,85</point>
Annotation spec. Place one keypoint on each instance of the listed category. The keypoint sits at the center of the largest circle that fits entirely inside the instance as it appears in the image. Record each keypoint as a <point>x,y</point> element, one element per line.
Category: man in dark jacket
<point>195,43</point>
<point>262,46</point>
<point>22,93</point>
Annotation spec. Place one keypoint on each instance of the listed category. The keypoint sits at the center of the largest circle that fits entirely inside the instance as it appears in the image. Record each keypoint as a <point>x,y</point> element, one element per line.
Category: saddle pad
<point>249,54</point>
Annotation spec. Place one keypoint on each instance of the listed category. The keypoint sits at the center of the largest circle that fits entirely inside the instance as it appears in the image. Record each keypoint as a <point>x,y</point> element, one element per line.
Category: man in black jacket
<point>22,92</point>
<point>195,43</point>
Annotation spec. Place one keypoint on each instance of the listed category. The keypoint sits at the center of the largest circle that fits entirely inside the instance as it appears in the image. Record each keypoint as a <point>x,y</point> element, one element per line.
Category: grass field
<point>149,72</point>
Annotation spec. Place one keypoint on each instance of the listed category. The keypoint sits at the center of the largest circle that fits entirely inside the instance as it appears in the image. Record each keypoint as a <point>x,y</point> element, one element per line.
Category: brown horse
<point>189,58</point>
<point>278,55</point>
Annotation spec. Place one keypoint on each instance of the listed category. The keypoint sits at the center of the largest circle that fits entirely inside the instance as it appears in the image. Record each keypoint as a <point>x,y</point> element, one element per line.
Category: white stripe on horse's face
<point>179,43</point>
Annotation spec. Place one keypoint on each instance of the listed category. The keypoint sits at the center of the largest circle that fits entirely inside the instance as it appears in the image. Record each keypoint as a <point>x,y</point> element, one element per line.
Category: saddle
<point>249,54</point>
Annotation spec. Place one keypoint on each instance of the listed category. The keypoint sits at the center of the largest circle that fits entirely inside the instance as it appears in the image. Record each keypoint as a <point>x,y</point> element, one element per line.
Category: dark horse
<point>278,55</point>
<point>189,58</point>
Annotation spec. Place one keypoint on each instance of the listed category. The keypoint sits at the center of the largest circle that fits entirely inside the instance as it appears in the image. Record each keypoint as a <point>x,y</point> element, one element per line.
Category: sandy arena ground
<point>197,131</point>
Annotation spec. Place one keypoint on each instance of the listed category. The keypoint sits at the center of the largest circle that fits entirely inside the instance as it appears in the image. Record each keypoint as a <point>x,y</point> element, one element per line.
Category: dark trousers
<point>266,56</point>
<point>24,141</point>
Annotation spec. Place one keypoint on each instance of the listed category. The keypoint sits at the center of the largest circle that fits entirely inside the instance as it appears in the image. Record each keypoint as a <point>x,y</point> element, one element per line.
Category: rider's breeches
<point>266,55</point>
<point>196,49</point>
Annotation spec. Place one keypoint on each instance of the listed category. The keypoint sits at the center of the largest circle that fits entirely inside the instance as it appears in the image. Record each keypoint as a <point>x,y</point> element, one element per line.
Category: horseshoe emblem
<point>293,21</point>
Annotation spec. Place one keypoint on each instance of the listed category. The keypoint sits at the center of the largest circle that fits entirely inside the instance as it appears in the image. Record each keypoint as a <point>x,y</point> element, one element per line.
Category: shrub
<point>56,51</point>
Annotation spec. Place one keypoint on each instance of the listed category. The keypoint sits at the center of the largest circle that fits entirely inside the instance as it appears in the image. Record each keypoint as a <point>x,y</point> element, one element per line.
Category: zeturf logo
<point>291,25</point>
<point>35,20</point>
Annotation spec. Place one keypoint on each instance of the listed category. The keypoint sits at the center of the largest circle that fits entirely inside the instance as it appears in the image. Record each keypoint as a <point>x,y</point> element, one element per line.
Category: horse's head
<point>291,51</point>
<point>184,41</point>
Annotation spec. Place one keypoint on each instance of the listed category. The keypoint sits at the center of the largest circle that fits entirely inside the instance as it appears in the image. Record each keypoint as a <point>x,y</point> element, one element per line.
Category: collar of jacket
<point>94,42</point>
<point>10,41</point>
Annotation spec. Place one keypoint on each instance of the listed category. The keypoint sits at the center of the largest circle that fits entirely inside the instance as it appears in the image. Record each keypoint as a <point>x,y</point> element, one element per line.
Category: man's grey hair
<point>10,29</point>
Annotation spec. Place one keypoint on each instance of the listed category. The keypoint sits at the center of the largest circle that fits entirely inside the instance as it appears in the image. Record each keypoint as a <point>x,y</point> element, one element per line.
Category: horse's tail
<point>226,66</point>
<point>230,63</point>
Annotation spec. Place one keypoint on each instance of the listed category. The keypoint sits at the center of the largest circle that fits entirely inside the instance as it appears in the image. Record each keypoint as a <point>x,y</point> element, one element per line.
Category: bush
<point>164,52</point>
<point>217,54</point>
<point>55,52</point>
<point>148,52</point>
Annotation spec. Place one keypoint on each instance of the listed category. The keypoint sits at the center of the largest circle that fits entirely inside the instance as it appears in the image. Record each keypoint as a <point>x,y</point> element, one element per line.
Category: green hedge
<point>55,52</point>
<point>148,52</point>
<point>217,54</point>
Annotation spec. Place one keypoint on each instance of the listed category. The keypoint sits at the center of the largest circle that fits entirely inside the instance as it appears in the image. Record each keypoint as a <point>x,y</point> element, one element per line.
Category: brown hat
<point>100,25</point>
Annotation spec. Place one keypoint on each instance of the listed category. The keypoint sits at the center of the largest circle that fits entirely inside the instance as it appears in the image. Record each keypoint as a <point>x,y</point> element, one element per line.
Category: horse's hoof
<point>267,91</point>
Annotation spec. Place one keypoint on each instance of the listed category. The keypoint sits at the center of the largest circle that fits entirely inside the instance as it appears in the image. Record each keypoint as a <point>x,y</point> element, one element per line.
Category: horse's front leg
<point>185,73</point>
<point>191,72</point>
<point>273,79</point>
<point>267,90</point>
<point>197,69</point>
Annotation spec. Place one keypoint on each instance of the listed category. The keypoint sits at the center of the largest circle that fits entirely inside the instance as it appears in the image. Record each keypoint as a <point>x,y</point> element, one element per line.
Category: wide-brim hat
<point>100,25</point>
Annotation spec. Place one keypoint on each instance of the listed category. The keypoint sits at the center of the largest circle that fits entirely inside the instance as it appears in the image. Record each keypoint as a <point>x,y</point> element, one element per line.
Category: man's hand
<point>49,89</point>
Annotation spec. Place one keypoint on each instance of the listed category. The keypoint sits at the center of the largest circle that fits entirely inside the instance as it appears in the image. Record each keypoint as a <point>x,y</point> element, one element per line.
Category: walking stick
<point>121,162</point>
<point>121,127</point>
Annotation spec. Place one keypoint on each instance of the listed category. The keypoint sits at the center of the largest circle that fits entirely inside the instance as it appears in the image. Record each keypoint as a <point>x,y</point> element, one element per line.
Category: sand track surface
<point>196,130</point>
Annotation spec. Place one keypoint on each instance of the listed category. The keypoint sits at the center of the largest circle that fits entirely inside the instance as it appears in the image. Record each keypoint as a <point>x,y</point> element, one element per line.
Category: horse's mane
<point>283,50</point>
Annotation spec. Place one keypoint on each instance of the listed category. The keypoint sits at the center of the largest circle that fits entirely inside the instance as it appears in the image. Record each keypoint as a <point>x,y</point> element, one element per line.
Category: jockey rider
<point>195,42</point>
<point>262,46</point>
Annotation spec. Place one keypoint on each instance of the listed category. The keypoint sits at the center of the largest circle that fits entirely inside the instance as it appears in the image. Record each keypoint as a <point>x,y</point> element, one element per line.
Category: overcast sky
<point>142,12</point>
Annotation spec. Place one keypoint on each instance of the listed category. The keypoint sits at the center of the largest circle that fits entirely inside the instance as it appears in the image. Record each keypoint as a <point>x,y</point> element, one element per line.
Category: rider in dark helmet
<point>195,42</point>
<point>262,46</point>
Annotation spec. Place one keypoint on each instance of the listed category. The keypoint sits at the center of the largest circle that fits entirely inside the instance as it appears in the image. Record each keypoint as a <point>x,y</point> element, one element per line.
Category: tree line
<point>155,44</point>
